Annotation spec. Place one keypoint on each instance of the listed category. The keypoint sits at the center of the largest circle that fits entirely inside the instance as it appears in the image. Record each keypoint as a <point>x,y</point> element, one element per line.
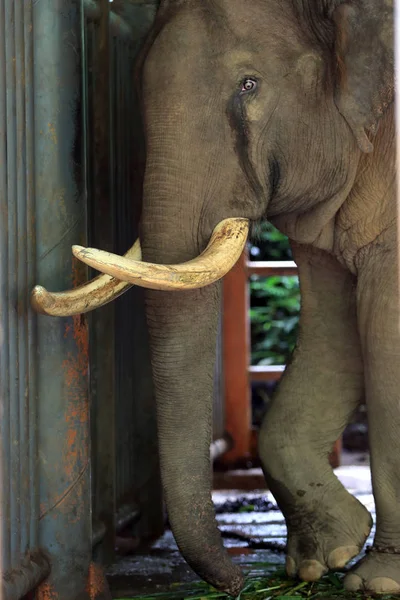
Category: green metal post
<point>63,407</point>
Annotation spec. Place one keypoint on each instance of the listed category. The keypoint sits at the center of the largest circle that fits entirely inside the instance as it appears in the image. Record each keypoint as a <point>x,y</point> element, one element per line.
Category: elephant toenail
<point>311,570</point>
<point>339,557</point>
<point>291,568</point>
<point>383,585</point>
<point>353,582</point>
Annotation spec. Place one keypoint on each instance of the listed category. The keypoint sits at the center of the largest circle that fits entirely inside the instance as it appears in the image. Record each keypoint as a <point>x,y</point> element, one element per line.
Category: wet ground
<point>253,538</point>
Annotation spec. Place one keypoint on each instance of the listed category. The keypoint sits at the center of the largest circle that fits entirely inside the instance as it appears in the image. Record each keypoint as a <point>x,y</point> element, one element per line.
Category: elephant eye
<point>248,85</point>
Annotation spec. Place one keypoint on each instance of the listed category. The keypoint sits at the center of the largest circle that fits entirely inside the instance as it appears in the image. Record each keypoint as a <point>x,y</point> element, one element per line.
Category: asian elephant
<point>270,109</point>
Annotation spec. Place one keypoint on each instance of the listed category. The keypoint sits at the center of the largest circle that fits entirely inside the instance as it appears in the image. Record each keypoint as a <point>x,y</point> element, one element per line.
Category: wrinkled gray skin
<point>292,148</point>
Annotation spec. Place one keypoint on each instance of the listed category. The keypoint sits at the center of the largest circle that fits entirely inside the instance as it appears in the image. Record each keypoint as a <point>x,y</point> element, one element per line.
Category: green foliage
<point>269,244</point>
<point>275,302</point>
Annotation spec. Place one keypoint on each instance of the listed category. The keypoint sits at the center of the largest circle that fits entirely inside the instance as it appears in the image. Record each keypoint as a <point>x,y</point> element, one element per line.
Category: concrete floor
<point>158,567</point>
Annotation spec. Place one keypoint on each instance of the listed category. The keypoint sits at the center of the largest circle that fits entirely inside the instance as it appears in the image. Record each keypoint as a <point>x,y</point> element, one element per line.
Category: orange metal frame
<point>238,374</point>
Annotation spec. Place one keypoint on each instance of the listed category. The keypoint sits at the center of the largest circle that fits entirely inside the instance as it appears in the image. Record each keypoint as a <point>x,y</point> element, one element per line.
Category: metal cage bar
<point>23,565</point>
<point>62,369</point>
<point>124,457</point>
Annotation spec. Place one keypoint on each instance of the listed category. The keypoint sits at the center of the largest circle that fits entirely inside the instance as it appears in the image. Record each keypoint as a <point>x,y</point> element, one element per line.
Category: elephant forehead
<point>234,57</point>
<point>243,62</point>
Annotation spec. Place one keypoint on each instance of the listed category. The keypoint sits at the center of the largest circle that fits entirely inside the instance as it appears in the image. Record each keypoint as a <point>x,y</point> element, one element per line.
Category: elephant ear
<point>365,57</point>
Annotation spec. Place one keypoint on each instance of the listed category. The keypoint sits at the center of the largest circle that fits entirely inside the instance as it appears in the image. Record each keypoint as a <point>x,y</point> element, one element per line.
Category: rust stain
<point>75,449</point>
<point>71,438</point>
<point>75,369</point>
<point>46,591</point>
<point>97,585</point>
<point>52,132</point>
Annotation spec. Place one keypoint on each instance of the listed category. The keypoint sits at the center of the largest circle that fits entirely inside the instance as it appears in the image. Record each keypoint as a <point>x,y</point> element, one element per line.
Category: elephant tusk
<point>223,251</point>
<point>89,296</point>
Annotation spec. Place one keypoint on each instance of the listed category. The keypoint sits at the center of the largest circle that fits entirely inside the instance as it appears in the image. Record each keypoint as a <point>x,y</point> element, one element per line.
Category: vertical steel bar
<point>115,108</point>
<point>12,283</point>
<point>123,383</point>
<point>126,234</point>
<point>123,391</point>
<point>84,103</point>
<point>127,137</point>
<point>33,496</point>
<point>4,306</point>
<point>397,121</point>
<point>125,88</point>
<point>22,282</point>
<point>137,462</point>
<point>102,326</point>
<point>63,411</point>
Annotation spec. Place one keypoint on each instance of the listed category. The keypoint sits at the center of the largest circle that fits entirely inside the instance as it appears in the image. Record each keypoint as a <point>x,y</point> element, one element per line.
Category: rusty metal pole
<point>62,349</point>
<point>102,322</point>
<point>397,109</point>
<point>22,563</point>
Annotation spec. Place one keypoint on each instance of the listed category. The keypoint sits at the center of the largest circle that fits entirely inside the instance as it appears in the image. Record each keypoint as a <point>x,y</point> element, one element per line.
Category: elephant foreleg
<point>315,400</point>
<point>378,312</point>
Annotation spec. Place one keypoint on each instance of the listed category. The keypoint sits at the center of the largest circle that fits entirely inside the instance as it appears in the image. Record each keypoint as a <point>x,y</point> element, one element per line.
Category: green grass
<point>274,587</point>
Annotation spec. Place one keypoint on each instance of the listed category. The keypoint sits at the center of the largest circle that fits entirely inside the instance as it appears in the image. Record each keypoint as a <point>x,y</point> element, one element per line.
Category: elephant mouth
<point>121,272</point>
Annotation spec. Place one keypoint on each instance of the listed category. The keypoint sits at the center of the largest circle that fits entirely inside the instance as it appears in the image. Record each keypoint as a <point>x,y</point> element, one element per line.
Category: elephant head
<point>251,109</point>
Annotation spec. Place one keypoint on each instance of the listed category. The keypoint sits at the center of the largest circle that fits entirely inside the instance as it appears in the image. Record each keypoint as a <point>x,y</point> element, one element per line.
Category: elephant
<point>279,110</point>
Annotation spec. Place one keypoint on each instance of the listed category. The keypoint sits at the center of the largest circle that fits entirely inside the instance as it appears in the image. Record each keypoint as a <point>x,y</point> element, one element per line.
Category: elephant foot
<point>325,535</point>
<point>377,573</point>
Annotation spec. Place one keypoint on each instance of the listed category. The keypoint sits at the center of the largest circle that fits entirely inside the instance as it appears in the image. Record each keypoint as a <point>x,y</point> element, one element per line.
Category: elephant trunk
<point>182,331</point>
